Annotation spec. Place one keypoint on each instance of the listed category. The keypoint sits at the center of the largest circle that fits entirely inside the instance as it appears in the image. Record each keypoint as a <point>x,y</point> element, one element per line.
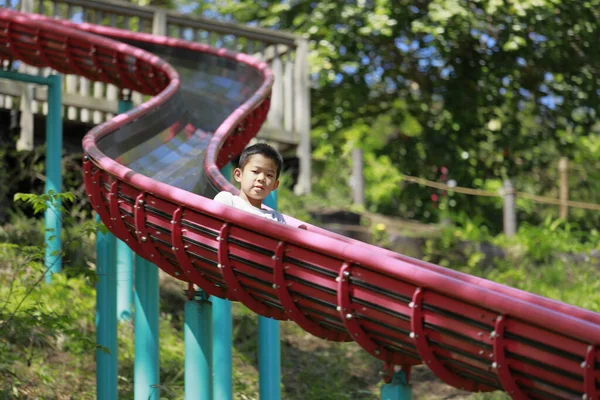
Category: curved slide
<point>150,174</point>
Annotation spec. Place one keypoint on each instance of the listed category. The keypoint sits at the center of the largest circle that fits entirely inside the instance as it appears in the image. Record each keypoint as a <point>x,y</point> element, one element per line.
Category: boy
<point>258,175</point>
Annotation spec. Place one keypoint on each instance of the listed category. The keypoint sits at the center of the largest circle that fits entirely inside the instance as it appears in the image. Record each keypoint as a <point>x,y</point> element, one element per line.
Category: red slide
<point>150,174</point>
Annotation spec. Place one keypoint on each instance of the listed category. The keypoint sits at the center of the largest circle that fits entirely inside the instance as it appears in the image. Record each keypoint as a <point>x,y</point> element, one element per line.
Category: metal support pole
<point>198,348</point>
<point>52,215</point>
<point>106,317</point>
<point>269,352</point>
<point>222,349</point>
<point>397,389</point>
<point>124,261</point>
<point>54,134</point>
<point>145,371</point>
<point>222,340</point>
<point>124,281</point>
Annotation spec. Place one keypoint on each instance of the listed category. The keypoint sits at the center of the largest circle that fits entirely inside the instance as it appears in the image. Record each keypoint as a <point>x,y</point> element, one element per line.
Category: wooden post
<point>563,171</point>
<point>358,178</point>
<point>288,93</point>
<point>275,116</point>
<point>25,141</point>
<point>510,211</point>
<point>302,116</point>
<point>84,90</point>
<point>159,23</point>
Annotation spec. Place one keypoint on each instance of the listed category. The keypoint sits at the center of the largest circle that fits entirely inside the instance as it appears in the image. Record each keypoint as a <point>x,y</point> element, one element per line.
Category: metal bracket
<point>425,350</point>
<point>124,77</point>
<point>501,365</point>
<point>11,43</point>
<point>397,387</point>
<point>119,228</point>
<point>101,75</point>
<point>234,286</point>
<point>139,214</point>
<point>196,295</point>
<point>74,67</point>
<point>286,300</point>
<point>589,374</point>
<point>40,50</point>
<point>387,373</point>
<point>141,79</point>
<point>351,323</point>
<point>179,248</point>
<point>91,181</point>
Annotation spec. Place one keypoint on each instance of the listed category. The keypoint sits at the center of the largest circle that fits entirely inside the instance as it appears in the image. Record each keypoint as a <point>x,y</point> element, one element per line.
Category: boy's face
<point>257,179</point>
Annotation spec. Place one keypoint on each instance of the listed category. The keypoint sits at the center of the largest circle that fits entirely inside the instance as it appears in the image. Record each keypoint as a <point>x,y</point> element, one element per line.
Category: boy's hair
<point>264,150</point>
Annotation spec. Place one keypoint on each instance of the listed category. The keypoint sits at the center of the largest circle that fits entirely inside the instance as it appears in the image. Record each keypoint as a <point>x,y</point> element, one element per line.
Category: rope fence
<point>508,194</point>
<point>488,193</point>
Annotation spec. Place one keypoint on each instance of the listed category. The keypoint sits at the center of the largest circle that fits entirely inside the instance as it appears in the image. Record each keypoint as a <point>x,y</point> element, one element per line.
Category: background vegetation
<point>472,91</point>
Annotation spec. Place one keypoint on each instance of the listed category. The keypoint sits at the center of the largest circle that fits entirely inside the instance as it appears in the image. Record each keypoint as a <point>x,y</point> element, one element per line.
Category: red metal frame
<point>121,71</point>
<point>348,315</point>
<point>119,228</point>
<point>590,373</point>
<point>40,49</point>
<point>292,311</point>
<point>501,363</point>
<point>148,247</point>
<point>233,284</point>
<point>92,187</point>
<point>459,306</point>
<point>179,248</point>
<point>425,350</point>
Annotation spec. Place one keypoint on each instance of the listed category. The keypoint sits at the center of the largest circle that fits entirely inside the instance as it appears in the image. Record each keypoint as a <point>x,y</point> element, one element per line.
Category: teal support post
<point>269,349</point>
<point>124,261</point>
<point>397,389</point>
<point>222,349</point>
<point>124,281</point>
<point>106,317</point>
<point>198,348</point>
<point>222,340</point>
<point>145,369</point>
<point>52,216</point>
<point>54,134</point>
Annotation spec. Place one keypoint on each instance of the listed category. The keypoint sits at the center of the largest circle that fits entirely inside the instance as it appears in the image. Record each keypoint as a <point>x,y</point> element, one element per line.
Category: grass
<point>48,351</point>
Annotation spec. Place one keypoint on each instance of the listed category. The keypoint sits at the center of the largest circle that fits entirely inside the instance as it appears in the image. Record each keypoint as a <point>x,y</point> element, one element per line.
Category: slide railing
<point>88,101</point>
<point>472,333</point>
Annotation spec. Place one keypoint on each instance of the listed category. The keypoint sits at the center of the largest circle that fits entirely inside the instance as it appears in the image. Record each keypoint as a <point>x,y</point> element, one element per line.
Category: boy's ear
<point>237,175</point>
<point>276,185</point>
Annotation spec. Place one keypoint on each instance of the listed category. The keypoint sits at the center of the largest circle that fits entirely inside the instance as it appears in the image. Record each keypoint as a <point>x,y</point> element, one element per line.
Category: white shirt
<point>241,204</point>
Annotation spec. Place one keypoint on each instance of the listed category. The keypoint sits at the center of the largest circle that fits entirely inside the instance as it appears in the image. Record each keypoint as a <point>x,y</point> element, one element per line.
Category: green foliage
<point>41,202</point>
<point>552,260</point>
<point>24,172</point>
<point>486,89</point>
<point>299,206</point>
<point>38,322</point>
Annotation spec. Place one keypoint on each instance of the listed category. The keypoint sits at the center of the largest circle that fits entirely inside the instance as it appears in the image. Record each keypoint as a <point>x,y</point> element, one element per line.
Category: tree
<point>481,90</point>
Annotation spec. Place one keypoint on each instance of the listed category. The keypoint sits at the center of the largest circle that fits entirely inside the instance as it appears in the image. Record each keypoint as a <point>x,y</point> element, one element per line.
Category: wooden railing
<point>288,121</point>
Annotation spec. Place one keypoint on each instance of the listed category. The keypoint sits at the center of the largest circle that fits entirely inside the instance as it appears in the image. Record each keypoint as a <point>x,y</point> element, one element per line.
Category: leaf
<point>514,43</point>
